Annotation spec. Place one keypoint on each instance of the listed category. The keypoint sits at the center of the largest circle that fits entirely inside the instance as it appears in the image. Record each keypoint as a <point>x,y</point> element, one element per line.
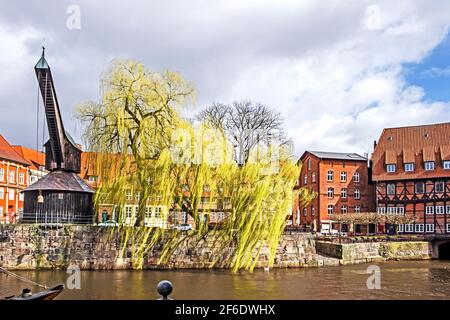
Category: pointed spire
<point>42,63</point>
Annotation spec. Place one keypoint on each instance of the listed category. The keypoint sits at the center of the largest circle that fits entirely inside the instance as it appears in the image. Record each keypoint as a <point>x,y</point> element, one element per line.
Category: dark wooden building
<point>61,196</point>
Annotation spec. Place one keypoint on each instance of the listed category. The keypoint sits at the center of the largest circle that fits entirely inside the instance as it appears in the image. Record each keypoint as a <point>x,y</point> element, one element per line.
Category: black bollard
<point>164,288</point>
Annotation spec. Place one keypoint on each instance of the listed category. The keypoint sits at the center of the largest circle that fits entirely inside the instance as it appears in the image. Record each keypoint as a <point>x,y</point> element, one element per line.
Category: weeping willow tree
<point>146,154</point>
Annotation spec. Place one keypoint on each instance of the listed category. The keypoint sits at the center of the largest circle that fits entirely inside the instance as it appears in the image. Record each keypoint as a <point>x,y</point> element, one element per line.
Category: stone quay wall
<point>29,247</point>
<point>351,253</point>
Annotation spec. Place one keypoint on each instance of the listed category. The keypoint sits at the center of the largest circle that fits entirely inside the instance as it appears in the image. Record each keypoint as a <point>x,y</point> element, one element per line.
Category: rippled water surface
<point>399,280</point>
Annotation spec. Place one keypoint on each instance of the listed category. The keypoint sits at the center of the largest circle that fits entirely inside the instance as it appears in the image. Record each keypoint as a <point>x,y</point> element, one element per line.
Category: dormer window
<point>446,165</point>
<point>409,167</point>
<point>390,168</point>
<point>429,165</point>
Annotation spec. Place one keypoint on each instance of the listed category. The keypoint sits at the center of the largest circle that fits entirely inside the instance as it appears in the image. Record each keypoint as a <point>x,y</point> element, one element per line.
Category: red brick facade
<point>341,184</point>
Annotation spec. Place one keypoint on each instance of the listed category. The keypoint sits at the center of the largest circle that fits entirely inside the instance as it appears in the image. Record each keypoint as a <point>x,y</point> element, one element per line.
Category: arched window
<point>357,194</point>
<point>356,177</point>
<point>330,175</point>
<point>344,193</point>
<point>330,193</point>
<point>330,209</point>
<point>343,176</point>
<point>344,209</point>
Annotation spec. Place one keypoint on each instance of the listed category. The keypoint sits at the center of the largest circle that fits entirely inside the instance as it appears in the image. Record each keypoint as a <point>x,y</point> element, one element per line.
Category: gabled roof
<point>36,158</point>
<point>7,152</point>
<point>336,155</point>
<point>61,180</point>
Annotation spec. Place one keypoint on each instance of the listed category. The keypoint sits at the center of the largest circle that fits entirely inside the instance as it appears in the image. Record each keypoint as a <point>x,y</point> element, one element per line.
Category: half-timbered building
<point>411,168</point>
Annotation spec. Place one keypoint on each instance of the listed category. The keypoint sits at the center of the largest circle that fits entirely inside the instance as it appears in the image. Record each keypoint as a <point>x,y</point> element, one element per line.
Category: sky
<point>338,71</point>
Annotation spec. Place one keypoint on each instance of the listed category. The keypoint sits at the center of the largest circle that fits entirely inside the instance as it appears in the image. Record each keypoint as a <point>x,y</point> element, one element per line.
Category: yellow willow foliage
<point>145,155</point>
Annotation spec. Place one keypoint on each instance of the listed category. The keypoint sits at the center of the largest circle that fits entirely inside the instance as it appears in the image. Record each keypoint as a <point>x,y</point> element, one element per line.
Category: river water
<point>399,280</point>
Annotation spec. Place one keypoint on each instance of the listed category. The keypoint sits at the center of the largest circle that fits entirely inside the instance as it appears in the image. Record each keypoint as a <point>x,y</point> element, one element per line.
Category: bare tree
<point>246,124</point>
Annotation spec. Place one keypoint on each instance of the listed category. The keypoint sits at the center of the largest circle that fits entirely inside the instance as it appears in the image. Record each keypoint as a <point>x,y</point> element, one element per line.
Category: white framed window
<point>344,193</point>
<point>21,178</point>
<point>92,178</point>
<point>429,227</point>
<point>440,210</point>
<point>184,217</point>
<point>357,209</point>
<point>2,174</point>
<point>313,177</point>
<point>429,165</point>
<point>343,176</point>
<point>401,210</point>
<point>448,227</point>
<point>439,186</point>
<point>400,228</point>
<point>390,188</point>
<point>418,228</point>
<point>313,210</point>
<point>1,209</point>
<point>447,209</point>
<point>409,227</point>
<point>330,209</point>
<point>305,211</point>
<point>11,194</point>
<point>419,187</point>
<point>409,167</point>
<point>445,164</point>
<point>137,195</point>
<point>429,210</point>
<point>309,164</point>
<point>381,209</point>
<point>356,177</point>
<point>390,168</point>
<point>148,212</point>
<point>330,193</point>
<point>344,209</point>
<point>357,194</point>
<point>12,176</point>
<point>21,196</point>
<point>129,195</point>
<point>2,193</point>
<point>305,179</point>
<point>221,216</point>
<point>330,175</point>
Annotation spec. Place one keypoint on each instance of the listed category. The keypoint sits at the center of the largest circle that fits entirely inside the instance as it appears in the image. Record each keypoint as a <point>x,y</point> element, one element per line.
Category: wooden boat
<point>48,294</point>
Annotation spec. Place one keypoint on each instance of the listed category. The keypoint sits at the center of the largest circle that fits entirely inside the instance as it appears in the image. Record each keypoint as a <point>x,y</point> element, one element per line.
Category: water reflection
<point>399,280</point>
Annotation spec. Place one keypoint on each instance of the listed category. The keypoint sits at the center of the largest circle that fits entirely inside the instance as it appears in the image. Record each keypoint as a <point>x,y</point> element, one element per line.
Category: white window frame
<point>448,227</point>
<point>305,212</point>
<point>387,189</point>
<point>356,177</point>
<point>20,196</point>
<point>344,209</point>
<point>1,209</point>
<point>343,176</point>
<point>440,210</point>
<point>330,209</point>
<point>305,179</point>
<point>381,209</point>
<point>2,193</point>
<point>129,195</point>
<point>330,193</point>
<point>330,175</point>
<point>400,228</point>
<point>409,227</point>
<point>429,228</point>
<point>344,193</point>
<point>11,194</point>
<point>447,209</point>
<point>415,187</point>
<point>313,211</point>
<point>313,177</point>
<point>12,176</point>
<point>429,165</point>
<point>21,177</point>
<point>441,184</point>
<point>418,228</point>
<point>391,168</point>
<point>309,164</point>
<point>2,174</point>
<point>409,167</point>
<point>446,165</point>
<point>357,209</point>
<point>429,210</point>
<point>357,194</point>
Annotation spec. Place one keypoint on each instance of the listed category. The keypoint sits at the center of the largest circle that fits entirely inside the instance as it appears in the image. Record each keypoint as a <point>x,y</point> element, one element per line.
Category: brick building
<point>411,168</point>
<point>14,177</point>
<point>36,160</point>
<point>341,182</point>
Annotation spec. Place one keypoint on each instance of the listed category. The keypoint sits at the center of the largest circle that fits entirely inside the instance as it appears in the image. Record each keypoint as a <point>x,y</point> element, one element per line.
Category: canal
<point>399,280</point>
